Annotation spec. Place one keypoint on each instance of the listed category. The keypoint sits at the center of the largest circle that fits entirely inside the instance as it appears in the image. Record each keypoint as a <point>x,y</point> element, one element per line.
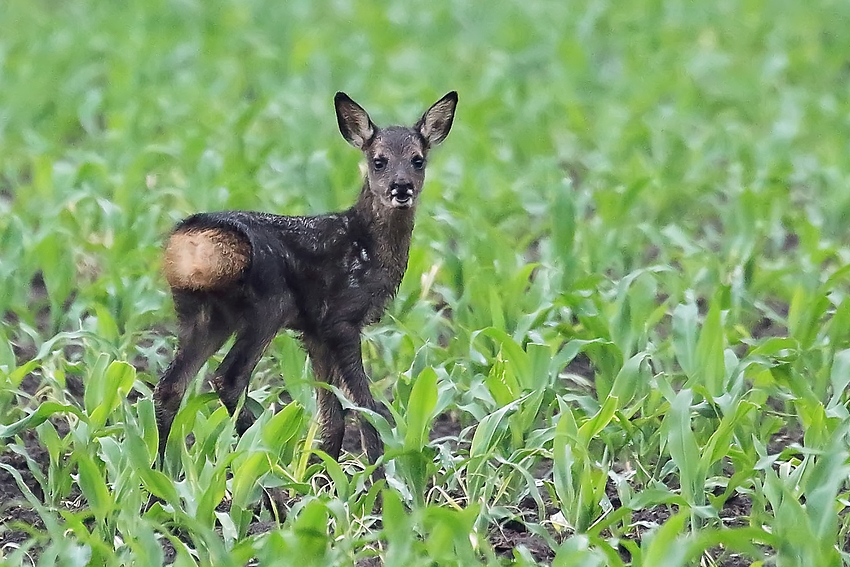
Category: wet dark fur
<point>325,276</point>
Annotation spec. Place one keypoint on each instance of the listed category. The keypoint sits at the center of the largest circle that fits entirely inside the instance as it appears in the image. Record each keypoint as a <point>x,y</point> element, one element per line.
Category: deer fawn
<point>250,274</point>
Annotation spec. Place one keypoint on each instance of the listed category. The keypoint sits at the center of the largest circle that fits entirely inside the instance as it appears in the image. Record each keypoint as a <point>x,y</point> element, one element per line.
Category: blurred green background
<point>116,120</point>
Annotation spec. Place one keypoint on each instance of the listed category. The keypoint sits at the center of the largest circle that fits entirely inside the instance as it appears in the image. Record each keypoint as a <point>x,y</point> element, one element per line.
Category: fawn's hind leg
<point>233,375</point>
<point>201,331</point>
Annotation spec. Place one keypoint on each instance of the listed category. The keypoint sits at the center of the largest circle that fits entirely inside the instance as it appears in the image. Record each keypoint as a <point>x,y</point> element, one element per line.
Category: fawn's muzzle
<point>401,194</point>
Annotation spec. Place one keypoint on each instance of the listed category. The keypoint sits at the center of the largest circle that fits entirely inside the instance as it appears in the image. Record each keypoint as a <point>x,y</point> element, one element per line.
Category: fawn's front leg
<point>348,361</point>
<point>331,413</point>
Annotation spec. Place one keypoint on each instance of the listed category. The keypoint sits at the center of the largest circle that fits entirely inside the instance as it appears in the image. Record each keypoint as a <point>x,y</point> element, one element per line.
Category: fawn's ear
<point>354,123</point>
<point>437,121</point>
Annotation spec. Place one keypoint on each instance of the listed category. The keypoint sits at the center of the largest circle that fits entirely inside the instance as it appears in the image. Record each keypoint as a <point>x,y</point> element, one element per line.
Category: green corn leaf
<point>147,424</point>
<point>283,427</point>
<point>212,495</point>
<point>184,422</point>
<point>310,530</point>
<point>629,379</point>
<point>512,353</point>
<point>246,475</point>
<point>683,447</point>
<point>502,383</point>
<point>8,362</point>
<point>566,432</point>
<point>685,336</point>
<point>743,540</point>
<point>528,415</point>
<point>57,267</point>
<point>710,364</point>
<point>775,346</point>
<point>719,442</point>
<point>107,328</point>
<point>839,376</point>
<point>665,547</point>
<point>823,485</point>
<point>94,488</point>
<point>44,412</point>
<point>598,422</point>
<point>564,224</point>
<point>18,374</point>
<point>397,530</point>
<point>485,433</point>
<point>338,476</point>
<point>420,410</point>
<point>159,485</point>
<point>116,382</point>
<point>540,356</point>
<point>97,384</point>
<point>496,312</point>
<point>575,552</point>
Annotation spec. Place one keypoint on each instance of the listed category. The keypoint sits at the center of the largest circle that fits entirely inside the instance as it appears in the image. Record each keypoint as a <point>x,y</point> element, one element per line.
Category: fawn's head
<point>396,155</point>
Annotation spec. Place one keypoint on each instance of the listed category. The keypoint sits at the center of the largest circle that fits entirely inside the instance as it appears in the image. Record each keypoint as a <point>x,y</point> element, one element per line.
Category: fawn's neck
<point>390,230</point>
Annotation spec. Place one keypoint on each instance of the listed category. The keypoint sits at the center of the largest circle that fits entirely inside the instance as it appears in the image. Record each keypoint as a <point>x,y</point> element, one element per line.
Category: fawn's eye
<point>418,162</point>
<point>379,163</point>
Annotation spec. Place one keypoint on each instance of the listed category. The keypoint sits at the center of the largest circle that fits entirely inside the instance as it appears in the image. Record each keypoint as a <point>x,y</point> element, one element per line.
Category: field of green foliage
<point>623,338</point>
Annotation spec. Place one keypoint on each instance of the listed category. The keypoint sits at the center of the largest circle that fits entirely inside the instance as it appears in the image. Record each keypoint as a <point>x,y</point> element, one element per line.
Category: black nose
<point>401,190</point>
<point>401,186</point>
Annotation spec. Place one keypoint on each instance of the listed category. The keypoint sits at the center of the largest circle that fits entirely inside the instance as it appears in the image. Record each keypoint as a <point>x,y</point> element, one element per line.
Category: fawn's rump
<point>205,258</point>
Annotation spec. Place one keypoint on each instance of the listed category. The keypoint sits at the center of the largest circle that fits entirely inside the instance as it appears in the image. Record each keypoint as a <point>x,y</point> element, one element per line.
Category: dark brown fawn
<point>326,277</point>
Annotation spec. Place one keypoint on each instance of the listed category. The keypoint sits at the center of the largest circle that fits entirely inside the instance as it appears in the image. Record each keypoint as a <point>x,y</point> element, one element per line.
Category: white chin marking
<point>401,204</point>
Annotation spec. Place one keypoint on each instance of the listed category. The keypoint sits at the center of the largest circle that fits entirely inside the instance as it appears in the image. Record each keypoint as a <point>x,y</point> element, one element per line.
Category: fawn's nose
<point>401,192</point>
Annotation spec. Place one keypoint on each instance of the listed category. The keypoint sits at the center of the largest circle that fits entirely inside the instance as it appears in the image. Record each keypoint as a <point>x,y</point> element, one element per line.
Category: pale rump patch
<point>205,259</point>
